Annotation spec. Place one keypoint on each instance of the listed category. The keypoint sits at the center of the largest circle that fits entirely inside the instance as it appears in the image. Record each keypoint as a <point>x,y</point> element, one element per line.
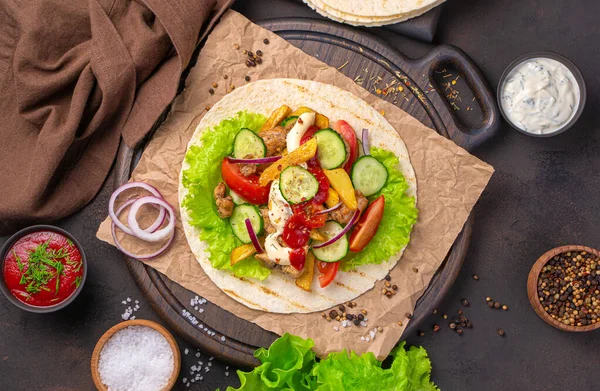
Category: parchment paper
<point>450,181</point>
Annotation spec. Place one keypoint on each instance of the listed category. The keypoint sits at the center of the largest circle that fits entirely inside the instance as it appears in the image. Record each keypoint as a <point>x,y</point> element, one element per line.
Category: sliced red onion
<point>253,237</point>
<point>131,185</point>
<point>342,232</point>
<point>150,236</point>
<point>330,209</point>
<point>129,253</point>
<point>262,160</point>
<point>365,142</point>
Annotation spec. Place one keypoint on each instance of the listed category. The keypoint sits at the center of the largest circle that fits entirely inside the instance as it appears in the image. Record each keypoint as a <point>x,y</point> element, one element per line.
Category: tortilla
<point>279,293</point>
<point>330,10</point>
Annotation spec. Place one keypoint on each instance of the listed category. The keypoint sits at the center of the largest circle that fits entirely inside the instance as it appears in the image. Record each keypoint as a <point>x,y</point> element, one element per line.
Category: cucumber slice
<point>297,185</point>
<point>368,175</point>
<point>331,149</point>
<point>238,221</point>
<point>289,120</point>
<point>248,143</point>
<point>236,198</point>
<point>335,251</point>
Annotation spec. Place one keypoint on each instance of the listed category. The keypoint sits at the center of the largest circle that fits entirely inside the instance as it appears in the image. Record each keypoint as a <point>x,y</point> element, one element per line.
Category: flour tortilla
<point>278,292</point>
<point>330,10</point>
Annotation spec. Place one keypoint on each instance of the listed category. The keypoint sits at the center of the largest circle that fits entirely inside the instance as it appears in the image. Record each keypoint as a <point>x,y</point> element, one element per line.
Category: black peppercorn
<point>266,41</point>
<point>211,91</point>
<point>333,314</point>
<point>496,305</point>
<point>349,316</point>
<point>342,308</point>
<point>501,332</point>
<point>465,302</point>
<point>356,322</point>
<point>361,317</point>
<point>247,78</point>
<point>388,278</point>
<point>250,54</point>
<point>259,53</point>
<point>258,60</point>
<point>459,331</point>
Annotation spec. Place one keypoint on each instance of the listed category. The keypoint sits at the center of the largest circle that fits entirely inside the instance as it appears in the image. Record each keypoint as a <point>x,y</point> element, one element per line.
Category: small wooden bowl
<point>534,298</point>
<point>136,322</point>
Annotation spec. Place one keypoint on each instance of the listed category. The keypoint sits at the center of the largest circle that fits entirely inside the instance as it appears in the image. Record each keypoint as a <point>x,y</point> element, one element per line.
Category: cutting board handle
<point>467,137</point>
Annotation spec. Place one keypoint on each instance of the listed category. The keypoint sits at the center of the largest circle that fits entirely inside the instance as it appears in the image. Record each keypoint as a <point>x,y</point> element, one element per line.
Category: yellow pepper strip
<point>321,121</point>
<point>278,115</point>
<point>333,198</point>
<point>241,253</point>
<point>305,279</point>
<point>315,234</point>
<point>340,181</point>
<point>301,111</point>
<point>300,155</point>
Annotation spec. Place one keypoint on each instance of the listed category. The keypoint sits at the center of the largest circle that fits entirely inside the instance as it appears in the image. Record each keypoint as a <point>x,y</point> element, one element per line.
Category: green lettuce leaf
<point>399,216</point>
<point>290,365</point>
<point>200,179</point>
<point>286,365</point>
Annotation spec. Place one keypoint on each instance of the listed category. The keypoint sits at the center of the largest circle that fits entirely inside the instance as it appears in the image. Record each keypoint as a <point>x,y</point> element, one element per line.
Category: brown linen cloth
<point>74,77</point>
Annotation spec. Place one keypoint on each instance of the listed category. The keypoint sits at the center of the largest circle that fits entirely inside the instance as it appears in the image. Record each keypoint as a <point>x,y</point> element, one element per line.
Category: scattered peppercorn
<point>459,312</point>
<point>415,270</point>
<point>445,316</point>
<point>360,317</point>
<point>248,63</point>
<point>505,307</point>
<point>236,46</point>
<point>452,325</point>
<point>258,60</point>
<point>266,41</point>
<point>475,277</point>
<point>387,284</point>
<point>338,318</point>
<point>388,278</point>
<point>388,294</point>
<point>395,287</point>
<point>259,53</point>
<point>435,311</point>
<point>459,331</point>
<point>465,302</point>
<point>211,91</point>
<point>469,325</point>
<point>400,323</point>
<point>349,316</point>
<point>436,328</point>
<point>364,312</point>
<point>383,291</point>
<point>225,77</point>
<point>496,305</point>
<point>356,322</point>
<point>421,333</point>
<point>333,313</point>
<point>409,315</point>
<point>247,78</point>
<point>245,51</point>
<point>501,332</point>
<point>488,299</point>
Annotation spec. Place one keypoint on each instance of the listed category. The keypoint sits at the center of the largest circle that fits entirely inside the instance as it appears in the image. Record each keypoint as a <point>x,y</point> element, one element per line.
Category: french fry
<point>315,234</point>
<point>300,155</point>
<point>301,110</point>
<point>340,181</point>
<point>321,121</point>
<point>305,280</point>
<point>276,117</point>
<point>242,252</point>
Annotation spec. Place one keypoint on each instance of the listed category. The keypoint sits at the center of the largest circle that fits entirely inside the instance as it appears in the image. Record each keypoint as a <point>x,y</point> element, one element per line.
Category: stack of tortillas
<point>372,12</point>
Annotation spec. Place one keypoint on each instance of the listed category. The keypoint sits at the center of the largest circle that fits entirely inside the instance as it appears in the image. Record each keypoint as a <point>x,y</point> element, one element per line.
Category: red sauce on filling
<point>43,268</point>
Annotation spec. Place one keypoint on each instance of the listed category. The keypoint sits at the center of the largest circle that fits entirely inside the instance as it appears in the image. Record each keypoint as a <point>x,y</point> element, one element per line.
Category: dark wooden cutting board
<point>373,64</point>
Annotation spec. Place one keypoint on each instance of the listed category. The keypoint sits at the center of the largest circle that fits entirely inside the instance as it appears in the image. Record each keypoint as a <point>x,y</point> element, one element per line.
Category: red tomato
<point>328,271</point>
<point>310,132</point>
<point>298,258</point>
<point>315,169</point>
<point>247,187</point>
<point>308,212</point>
<point>295,233</point>
<point>367,225</point>
<point>347,133</point>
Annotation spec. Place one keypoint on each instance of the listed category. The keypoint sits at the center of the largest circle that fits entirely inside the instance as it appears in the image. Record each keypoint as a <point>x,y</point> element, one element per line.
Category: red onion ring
<point>150,236</point>
<point>342,232</point>
<point>128,253</point>
<point>365,141</point>
<point>253,237</point>
<point>330,209</point>
<point>262,160</point>
<point>113,216</point>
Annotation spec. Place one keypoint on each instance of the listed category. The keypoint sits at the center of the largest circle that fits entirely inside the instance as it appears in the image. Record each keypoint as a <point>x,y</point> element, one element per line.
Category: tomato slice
<point>367,225</point>
<point>349,136</point>
<point>323,192</point>
<point>247,187</point>
<point>298,258</point>
<point>295,232</point>
<point>328,271</point>
<point>310,132</point>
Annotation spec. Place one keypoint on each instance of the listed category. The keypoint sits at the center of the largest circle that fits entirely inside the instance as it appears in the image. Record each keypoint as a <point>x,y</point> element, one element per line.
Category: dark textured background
<point>543,194</point>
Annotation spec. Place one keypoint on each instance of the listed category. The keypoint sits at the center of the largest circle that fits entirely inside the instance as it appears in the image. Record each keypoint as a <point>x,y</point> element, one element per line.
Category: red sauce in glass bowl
<point>43,268</point>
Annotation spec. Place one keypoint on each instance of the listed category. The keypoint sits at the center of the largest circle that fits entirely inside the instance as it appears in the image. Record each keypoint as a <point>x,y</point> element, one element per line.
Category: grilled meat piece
<point>248,169</point>
<point>223,201</point>
<point>274,139</point>
<point>343,215</point>
<point>269,229</point>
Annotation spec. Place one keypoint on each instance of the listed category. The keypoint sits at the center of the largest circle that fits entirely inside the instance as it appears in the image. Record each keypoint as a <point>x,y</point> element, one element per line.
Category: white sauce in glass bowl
<point>540,95</point>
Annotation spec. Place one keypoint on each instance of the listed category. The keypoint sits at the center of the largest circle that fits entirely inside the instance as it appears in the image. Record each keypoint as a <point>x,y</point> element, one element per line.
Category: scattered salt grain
<point>129,300</point>
<point>336,328</point>
<point>186,351</point>
<point>136,358</point>
<point>197,354</point>
<point>363,323</point>
<point>223,338</point>
<point>362,338</point>
<point>226,373</point>
<point>367,339</point>
<point>184,380</point>
<point>123,302</point>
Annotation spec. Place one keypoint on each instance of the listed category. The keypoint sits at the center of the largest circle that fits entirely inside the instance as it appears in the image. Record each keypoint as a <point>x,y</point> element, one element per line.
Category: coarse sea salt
<point>136,358</point>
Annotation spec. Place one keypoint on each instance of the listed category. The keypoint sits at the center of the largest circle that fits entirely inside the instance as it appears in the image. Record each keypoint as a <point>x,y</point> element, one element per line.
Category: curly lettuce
<point>200,179</point>
<point>290,365</point>
<point>399,216</point>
